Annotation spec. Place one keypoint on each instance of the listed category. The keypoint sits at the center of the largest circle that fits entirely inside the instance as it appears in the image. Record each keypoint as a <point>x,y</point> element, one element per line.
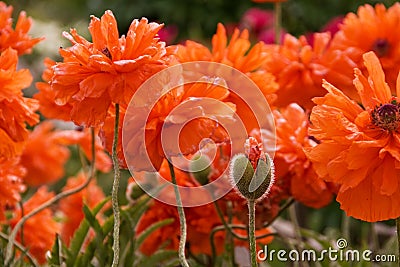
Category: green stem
<point>182,219</point>
<point>115,187</point>
<point>346,226</point>
<point>229,234</point>
<point>20,223</point>
<point>252,233</point>
<point>229,237</point>
<point>22,249</point>
<point>278,21</point>
<point>21,205</point>
<point>398,238</point>
<point>295,222</point>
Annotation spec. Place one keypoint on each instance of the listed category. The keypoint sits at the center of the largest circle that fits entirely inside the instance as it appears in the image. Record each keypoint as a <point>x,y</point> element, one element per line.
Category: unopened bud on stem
<point>252,174</point>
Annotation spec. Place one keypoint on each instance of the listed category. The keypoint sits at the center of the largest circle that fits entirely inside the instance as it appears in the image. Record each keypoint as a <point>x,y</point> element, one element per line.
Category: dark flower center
<point>381,47</point>
<point>107,53</point>
<point>387,116</point>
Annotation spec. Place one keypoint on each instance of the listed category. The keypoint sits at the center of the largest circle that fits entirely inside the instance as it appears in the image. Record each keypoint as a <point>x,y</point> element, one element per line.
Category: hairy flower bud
<point>252,184</point>
<point>200,168</point>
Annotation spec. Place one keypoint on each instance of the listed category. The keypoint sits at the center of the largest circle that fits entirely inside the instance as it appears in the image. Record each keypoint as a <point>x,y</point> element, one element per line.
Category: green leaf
<point>93,222</point>
<point>80,235</point>
<point>56,253</point>
<point>151,229</point>
<point>157,258</point>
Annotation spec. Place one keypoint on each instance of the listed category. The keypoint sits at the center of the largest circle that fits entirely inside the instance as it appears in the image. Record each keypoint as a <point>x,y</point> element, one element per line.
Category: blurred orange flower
<point>43,156</point>
<point>17,38</point>
<point>239,54</point>
<point>11,185</point>
<point>48,147</point>
<point>191,133</point>
<point>291,139</point>
<point>15,110</point>
<point>71,206</point>
<point>299,68</point>
<point>83,139</point>
<point>109,70</point>
<point>359,144</point>
<point>200,221</point>
<point>46,96</point>
<point>40,230</point>
<point>371,29</point>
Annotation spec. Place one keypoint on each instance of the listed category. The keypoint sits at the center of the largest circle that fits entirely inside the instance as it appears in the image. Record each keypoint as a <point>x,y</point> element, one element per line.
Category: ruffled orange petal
<point>365,202</point>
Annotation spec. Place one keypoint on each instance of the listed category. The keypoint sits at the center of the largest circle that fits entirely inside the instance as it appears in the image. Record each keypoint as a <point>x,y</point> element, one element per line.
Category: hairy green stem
<point>252,232</point>
<point>115,188</point>
<point>182,219</point>
<point>20,223</point>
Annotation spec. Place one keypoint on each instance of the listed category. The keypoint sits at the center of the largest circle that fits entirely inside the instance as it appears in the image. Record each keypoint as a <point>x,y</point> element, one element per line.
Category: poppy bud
<point>134,191</point>
<point>252,174</point>
<point>200,168</point>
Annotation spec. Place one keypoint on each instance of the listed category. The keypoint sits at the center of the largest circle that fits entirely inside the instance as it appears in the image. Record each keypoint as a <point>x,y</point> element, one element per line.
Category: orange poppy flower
<point>40,230</point>
<point>190,133</point>
<point>371,29</point>
<point>46,96</point>
<point>71,206</point>
<point>200,221</point>
<point>239,54</point>
<point>291,139</point>
<point>48,147</point>
<point>16,110</point>
<point>11,185</point>
<point>84,140</point>
<point>359,144</point>
<point>17,38</point>
<point>299,68</point>
<point>109,70</point>
<point>42,150</point>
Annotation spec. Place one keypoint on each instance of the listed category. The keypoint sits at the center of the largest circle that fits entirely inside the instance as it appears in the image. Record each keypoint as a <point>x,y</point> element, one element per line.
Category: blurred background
<point>185,19</point>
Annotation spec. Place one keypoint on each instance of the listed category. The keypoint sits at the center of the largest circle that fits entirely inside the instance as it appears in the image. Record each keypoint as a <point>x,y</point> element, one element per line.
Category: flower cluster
<point>335,110</point>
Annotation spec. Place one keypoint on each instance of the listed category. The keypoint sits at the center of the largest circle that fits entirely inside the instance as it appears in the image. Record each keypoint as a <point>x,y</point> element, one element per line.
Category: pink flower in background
<point>332,26</point>
<point>260,24</point>
<point>256,20</point>
<point>168,33</point>
<point>268,36</point>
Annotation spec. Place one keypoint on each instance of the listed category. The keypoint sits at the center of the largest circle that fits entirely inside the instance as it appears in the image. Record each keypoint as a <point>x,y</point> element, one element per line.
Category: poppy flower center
<point>381,47</point>
<point>387,116</point>
<point>107,53</point>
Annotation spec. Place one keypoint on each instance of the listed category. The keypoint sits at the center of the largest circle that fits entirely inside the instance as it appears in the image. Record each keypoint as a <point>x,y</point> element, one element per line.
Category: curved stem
<point>20,223</point>
<point>252,232</point>
<point>22,249</point>
<point>182,219</point>
<point>115,187</point>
